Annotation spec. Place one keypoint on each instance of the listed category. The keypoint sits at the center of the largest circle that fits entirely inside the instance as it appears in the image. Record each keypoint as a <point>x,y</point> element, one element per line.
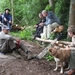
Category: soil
<point>29,67</point>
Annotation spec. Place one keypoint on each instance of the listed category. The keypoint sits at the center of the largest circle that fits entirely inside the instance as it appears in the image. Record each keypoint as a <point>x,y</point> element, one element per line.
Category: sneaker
<point>3,56</point>
<point>16,55</point>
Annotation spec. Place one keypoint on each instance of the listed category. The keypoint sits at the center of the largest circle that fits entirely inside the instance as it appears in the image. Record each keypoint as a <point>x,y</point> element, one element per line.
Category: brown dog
<point>60,55</point>
<point>58,29</point>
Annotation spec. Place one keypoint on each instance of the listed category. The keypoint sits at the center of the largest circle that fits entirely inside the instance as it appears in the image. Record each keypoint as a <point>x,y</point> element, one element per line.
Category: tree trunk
<point>52,4</point>
<point>12,11</point>
<point>72,13</point>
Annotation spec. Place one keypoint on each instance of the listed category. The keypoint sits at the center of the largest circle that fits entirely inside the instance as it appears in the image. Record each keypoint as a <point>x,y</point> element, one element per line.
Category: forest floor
<point>28,67</point>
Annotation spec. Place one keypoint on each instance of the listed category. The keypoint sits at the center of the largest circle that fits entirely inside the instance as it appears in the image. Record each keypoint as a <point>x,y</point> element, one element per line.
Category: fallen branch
<point>50,41</point>
<point>43,52</point>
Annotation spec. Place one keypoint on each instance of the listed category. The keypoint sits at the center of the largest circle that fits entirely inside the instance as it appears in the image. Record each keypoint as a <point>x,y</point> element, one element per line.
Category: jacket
<point>4,37</point>
<point>51,18</point>
<point>7,16</point>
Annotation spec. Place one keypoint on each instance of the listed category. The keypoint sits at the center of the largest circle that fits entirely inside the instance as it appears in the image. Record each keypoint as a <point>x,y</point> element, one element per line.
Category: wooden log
<point>50,41</point>
<point>43,52</point>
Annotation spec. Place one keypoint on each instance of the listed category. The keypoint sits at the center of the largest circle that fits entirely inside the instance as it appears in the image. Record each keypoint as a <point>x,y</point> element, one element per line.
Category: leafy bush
<point>53,36</point>
<point>15,33</point>
<point>48,8</point>
<point>62,10</point>
<point>48,57</point>
<point>26,34</point>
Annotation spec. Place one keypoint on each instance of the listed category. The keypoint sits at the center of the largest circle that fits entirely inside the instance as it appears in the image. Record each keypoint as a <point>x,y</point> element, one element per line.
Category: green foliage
<point>25,11</point>
<point>62,10</point>
<point>30,11</point>
<point>53,36</point>
<point>48,8</point>
<point>15,33</point>
<point>3,5</point>
<point>26,34</point>
<point>48,57</point>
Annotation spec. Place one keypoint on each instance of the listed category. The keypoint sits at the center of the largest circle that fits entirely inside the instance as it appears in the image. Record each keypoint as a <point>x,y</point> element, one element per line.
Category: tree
<point>62,11</point>
<point>52,5</point>
<point>12,11</point>
<point>72,13</point>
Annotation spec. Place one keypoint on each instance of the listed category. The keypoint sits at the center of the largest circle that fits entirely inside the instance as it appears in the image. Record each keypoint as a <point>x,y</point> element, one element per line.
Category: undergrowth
<point>48,57</point>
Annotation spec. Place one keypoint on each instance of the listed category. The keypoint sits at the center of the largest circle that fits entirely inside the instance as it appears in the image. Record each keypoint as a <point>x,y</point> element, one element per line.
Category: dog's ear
<point>50,50</point>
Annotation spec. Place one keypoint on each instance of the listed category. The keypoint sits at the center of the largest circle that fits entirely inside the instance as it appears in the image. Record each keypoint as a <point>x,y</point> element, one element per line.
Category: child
<point>71,33</point>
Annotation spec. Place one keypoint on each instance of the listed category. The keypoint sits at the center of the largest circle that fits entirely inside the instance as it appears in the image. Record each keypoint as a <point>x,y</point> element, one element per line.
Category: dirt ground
<point>30,67</point>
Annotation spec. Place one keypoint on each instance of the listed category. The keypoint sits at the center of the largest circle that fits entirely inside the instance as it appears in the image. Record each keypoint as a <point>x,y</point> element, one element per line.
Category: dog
<point>58,29</point>
<point>17,27</point>
<point>60,55</point>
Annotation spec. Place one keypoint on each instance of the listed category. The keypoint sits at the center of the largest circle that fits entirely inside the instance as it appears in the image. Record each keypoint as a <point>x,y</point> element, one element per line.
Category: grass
<point>48,57</point>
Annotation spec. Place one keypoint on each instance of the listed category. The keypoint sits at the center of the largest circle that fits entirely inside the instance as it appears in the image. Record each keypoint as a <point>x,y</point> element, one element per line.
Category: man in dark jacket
<point>7,18</point>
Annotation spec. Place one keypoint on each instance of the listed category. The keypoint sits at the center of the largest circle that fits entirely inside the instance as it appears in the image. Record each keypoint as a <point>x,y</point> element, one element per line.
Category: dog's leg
<point>57,61</point>
<point>61,71</point>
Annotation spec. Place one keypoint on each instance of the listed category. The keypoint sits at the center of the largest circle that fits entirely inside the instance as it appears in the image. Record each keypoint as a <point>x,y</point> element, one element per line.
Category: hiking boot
<point>16,55</point>
<point>30,55</point>
<point>70,72</point>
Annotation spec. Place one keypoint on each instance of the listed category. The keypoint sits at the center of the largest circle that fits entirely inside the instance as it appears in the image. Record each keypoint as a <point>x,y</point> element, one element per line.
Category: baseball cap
<point>5,27</point>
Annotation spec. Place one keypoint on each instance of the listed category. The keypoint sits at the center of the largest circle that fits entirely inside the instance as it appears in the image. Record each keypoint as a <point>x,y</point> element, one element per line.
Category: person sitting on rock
<point>39,28</point>
<point>9,44</point>
<point>52,21</point>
